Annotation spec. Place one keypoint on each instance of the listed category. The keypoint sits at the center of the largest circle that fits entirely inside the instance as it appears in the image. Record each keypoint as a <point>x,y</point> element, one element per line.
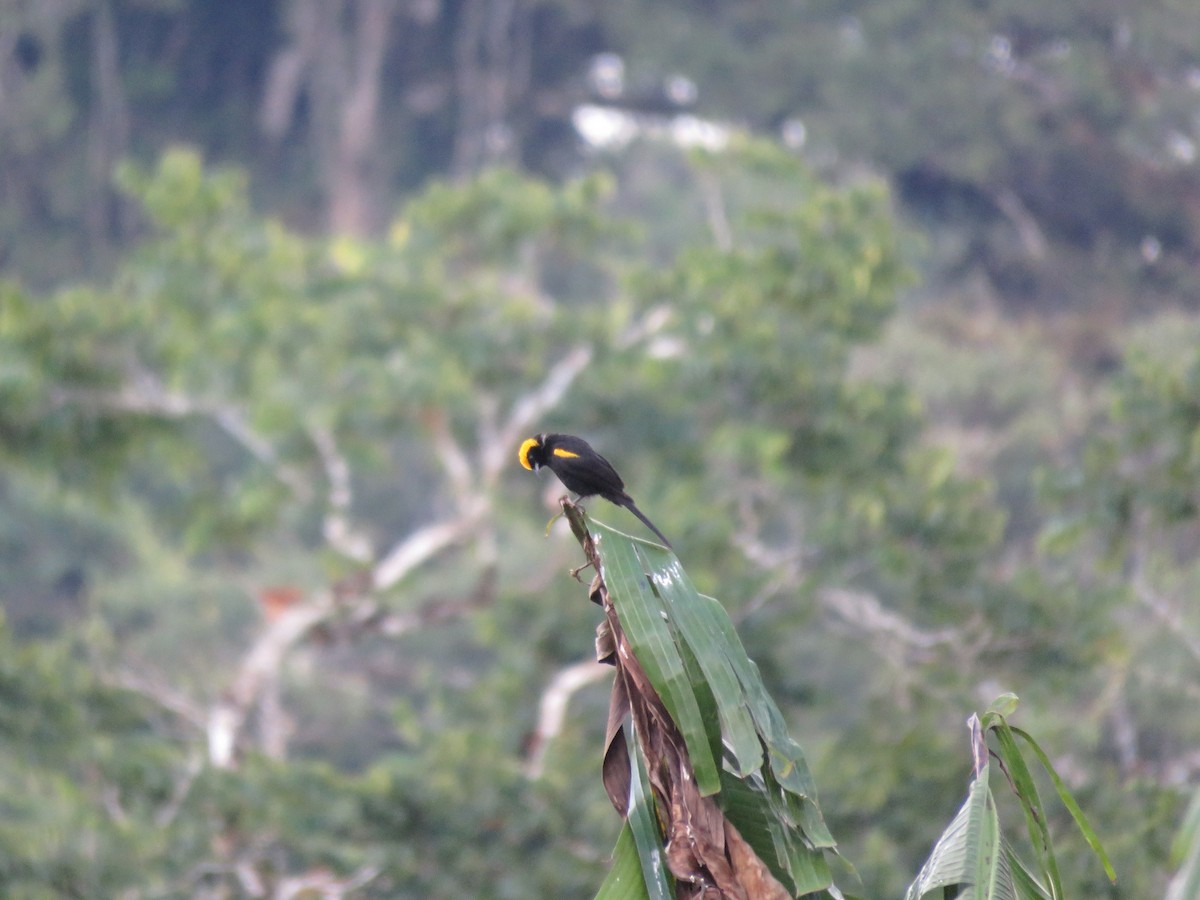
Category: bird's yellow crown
<point>523,453</point>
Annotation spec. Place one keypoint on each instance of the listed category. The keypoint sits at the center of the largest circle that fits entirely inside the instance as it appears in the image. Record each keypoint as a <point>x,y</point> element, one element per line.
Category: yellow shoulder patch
<point>523,453</point>
<point>565,454</point>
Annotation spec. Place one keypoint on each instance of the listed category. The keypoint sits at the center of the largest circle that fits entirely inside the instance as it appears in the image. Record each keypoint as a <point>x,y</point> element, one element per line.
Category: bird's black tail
<point>632,507</point>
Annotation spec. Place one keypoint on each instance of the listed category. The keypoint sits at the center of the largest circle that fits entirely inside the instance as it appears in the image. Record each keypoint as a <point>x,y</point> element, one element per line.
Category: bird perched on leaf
<point>581,469</point>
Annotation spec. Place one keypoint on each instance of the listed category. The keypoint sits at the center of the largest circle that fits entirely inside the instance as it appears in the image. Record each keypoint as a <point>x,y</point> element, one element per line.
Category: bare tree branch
<point>262,663</point>
<point>109,125</point>
<point>492,58</point>
<point>352,200</point>
<point>274,724</point>
<point>867,614</point>
<point>248,878</point>
<point>1033,240</point>
<point>531,407</point>
<point>322,884</point>
<point>145,395</point>
<point>110,799</point>
<point>714,206</point>
<point>552,710</point>
<point>1154,600</point>
<point>260,667</point>
<point>336,527</point>
<point>499,444</point>
<point>453,458</point>
<point>420,546</point>
<point>183,786</point>
<point>233,422</point>
<point>170,700</point>
<point>1169,616</point>
<point>286,74</point>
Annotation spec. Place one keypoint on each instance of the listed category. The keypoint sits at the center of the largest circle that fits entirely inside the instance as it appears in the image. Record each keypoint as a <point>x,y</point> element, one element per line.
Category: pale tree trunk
<point>335,57</point>
<point>492,59</point>
<point>353,181</point>
<point>290,70</point>
<point>108,128</point>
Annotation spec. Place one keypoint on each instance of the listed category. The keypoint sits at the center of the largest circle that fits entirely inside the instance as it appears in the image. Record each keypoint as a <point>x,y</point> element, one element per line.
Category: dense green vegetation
<point>918,396</point>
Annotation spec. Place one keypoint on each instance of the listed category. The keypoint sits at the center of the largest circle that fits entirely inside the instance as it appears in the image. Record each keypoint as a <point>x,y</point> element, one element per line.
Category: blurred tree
<point>241,414</point>
<point>1050,149</point>
<point>334,59</point>
<point>245,415</point>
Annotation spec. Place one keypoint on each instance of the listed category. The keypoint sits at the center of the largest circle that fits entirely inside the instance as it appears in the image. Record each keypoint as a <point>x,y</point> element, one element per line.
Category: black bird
<point>581,469</point>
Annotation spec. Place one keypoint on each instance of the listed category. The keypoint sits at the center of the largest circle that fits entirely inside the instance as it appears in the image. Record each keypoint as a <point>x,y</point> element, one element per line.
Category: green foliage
<point>638,869</point>
<point>737,744</point>
<point>904,502</point>
<point>1033,144</point>
<point>102,795</point>
<point>995,721</point>
<point>1155,418</point>
<point>179,434</point>
<point>973,858</point>
<point>85,769</point>
<point>1185,853</point>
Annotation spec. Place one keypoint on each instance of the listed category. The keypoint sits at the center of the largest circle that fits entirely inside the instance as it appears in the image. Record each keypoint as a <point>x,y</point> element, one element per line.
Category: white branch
<point>421,545</point>
<point>1033,240</point>
<point>170,700</point>
<point>865,613</point>
<point>248,878</point>
<point>110,798</point>
<point>552,710</point>
<point>321,883</point>
<point>336,526</point>
<point>530,408</point>
<point>649,325</point>
<point>1161,606</point>
<point>145,395</point>
<point>714,206</point>
<point>228,717</point>
<point>454,460</point>
<point>233,422</point>
<point>183,786</point>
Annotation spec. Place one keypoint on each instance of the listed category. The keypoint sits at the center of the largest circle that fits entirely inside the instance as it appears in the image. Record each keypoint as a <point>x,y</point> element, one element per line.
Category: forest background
<point>886,311</point>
